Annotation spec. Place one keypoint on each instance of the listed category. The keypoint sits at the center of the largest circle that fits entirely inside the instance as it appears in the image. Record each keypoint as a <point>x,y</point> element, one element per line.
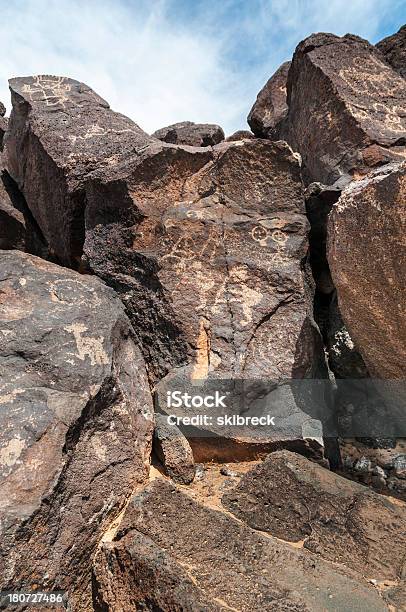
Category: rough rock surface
<point>75,422</point>
<point>192,134</point>
<point>344,359</point>
<point>394,50</point>
<point>59,131</point>
<point>345,107</point>
<point>3,130</point>
<point>367,261</point>
<point>240,135</point>
<point>214,254</point>
<point>206,246</point>
<point>297,500</point>
<point>204,551</point>
<point>270,107</point>
<point>3,124</point>
<point>173,450</point>
<point>18,229</point>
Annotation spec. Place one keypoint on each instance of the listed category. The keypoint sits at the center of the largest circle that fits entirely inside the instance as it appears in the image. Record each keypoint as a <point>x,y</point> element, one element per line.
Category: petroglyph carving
<point>375,87</point>
<point>51,90</point>
<point>88,346</point>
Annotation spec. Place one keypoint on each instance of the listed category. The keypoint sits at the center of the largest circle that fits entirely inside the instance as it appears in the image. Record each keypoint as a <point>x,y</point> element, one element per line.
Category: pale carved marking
<point>378,88</point>
<point>51,90</point>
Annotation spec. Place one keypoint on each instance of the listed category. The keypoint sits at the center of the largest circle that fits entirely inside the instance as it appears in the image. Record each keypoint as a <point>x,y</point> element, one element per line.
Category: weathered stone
<point>173,450</point>
<point>206,246</point>
<point>399,466</point>
<point>367,261</point>
<point>346,107</point>
<point>2,109</point>
<point>75,423</point>
<point>240,135</point>
<point>344,358</point>
<point>192,134</point>
<point>212,257</point>
<point>297,500</point>
<point>3,130</point>
<point>166,538</point>
<point>394,50</point>
<point>271,107</point>
<point>18,229</point>
<point>59,131</point>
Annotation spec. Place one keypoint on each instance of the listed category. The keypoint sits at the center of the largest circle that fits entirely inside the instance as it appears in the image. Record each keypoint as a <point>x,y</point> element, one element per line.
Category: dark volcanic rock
<point>394,49</point>
<point>192,134</point>
<point>270,107</point>
<point>240,135</point>
<point>75,422</point>
<point>59,131</point>
<point>18,229</point>
<point>295,499</point>
<point>212,254</point>
<point>173,450</point>
<point>367,261</point>
<point>3,130</point>
<point>319,202</point>
<point>346,107</point>
<point>142,576</point>
<point>166,538</point>
<point>206,246</point>
<point>3,124</point>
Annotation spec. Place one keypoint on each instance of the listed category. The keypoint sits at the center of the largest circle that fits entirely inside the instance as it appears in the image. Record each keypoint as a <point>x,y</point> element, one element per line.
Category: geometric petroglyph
<point>377,89</point>
<point>48,89</point>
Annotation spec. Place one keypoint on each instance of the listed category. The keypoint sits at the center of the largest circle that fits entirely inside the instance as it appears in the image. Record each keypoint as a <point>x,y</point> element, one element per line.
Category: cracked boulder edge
<point>169,561</point>
<point>342,521</point>
<point>343,87</point>
<point>76,423</point>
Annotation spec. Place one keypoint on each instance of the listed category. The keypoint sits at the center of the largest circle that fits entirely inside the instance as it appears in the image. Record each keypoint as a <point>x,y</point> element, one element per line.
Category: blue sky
<point>162,61</point>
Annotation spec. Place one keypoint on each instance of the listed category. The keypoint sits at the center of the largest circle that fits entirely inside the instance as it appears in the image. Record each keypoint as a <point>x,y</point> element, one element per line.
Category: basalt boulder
<point>191,557</point>
<point>346,108</point>
<point>240,135</point>
<point>394,50</point>
<point>297,500</point>
<point>173,451</point>
<point>270,107</point>
<point>192,134</point>
<point>206,246</point>
<point>75,423</point>
<point>59,131</point>
<point>367,261</point>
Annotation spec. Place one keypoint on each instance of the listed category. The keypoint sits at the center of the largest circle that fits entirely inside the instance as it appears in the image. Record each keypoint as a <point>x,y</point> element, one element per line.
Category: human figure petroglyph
<point>51,90</point>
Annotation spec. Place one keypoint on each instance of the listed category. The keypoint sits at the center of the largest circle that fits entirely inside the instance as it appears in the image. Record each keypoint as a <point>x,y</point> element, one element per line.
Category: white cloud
<point>148,64</point>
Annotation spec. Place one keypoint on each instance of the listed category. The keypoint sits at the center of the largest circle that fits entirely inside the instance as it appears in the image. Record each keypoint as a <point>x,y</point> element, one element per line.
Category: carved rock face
<point>75,422</point>
<point>59,131</point>
<point>270,107</point>
<point>206,246</point>
<point>192,134</point>
<point>210,240</point>
<point>367,261</point>
<point>345,107</point>
<point>394,50</point>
